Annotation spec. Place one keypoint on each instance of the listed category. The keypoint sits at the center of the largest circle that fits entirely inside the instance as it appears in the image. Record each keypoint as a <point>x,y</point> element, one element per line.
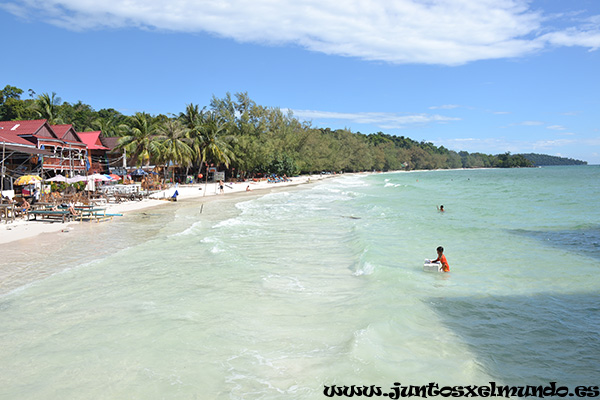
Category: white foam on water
<point>189,231</point>
<point>282,294</point>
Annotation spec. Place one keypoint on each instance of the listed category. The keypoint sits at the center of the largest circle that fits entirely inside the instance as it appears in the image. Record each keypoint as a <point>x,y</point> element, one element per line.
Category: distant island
<point>539,160</point>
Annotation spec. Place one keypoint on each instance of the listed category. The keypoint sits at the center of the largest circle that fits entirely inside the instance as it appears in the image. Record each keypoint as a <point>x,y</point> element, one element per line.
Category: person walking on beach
<point>442,259</point>
<point>221,187</point>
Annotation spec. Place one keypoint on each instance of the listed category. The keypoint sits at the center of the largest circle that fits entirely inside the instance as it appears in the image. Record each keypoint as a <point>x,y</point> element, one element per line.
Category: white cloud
<point>530,123</point>
<point>444,107</point>
<point>546,144</point>
<point>592,141</point>
<point>568,147</point>
<point>379,119</point>
<point>496,145</point>
<point>449,32</point>
<point>574,37</point>
<point>556,127</point>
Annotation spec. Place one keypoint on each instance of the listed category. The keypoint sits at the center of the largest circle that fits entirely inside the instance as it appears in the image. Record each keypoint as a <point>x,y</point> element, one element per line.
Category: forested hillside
<point>544,159</point>
<point>246,137</point>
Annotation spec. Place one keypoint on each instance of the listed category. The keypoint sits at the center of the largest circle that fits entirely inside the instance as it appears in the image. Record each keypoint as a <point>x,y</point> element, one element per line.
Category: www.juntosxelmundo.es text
<point>432,389</point>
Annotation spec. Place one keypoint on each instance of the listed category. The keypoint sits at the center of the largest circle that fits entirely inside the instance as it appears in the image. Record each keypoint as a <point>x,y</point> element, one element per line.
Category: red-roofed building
<point>116,156</point>
<point>64,155</point>
<point>74,150</point>
<point>12,139</point>
<point>38,128</point>
<point>18,156</point>
<point>97,152</point>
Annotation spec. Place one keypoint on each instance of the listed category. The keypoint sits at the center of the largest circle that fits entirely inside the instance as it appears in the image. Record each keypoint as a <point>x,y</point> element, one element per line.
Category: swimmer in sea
<point>441,208</point>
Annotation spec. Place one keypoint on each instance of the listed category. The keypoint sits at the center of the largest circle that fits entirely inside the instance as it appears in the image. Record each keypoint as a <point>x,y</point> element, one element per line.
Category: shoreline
<point>22,229</point>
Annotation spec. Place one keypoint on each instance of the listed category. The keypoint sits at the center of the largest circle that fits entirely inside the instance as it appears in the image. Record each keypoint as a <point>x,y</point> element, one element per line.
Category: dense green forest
<point>246,138</point>
<point>545,160</point>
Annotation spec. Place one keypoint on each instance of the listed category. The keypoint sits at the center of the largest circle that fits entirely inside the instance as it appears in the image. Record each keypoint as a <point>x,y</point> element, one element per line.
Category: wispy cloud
<point>379,119</point>
<point>548,144</point>
<point>556,127</point>
<point>574,37</point>
<point>501,144</point>
<point>450,32</point>
<point>529,123</point>
<point>444,107</point>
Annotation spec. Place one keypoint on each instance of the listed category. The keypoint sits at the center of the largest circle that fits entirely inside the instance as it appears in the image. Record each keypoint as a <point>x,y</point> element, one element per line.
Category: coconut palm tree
<point>212,143</point>
<point>47,107</point>
<point>192,116</point>
<point>174,147</point>
<point>215,142</point>
<point>107,126</point>
<point>140,138</point>
<point>192,121</point>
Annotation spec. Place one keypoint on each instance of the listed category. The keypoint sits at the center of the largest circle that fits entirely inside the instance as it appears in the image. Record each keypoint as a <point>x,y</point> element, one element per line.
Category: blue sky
<point>485,76</point>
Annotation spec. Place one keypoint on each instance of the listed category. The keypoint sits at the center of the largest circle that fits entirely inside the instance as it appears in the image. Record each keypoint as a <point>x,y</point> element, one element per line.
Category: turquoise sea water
<point>274,296</point>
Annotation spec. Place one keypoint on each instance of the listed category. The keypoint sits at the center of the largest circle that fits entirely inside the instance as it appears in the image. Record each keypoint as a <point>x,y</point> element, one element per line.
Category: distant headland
<point>539,160</point>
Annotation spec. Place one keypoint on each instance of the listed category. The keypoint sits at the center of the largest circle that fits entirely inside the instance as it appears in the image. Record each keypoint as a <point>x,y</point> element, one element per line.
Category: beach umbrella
<point>98,177</point>
<point>77,178</point>
<point>115,177</point>
<point>57,178</point>
<point>139,171</point>
<point>27,180</point>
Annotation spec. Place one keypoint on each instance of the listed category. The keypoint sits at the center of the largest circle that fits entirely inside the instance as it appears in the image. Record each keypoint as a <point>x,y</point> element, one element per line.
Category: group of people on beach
<point>276,179</point>
<point>25,206</point>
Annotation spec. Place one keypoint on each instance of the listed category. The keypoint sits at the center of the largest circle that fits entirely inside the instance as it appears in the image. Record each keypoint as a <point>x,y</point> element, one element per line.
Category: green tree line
<point>245,138</point>
<point>546,160</point>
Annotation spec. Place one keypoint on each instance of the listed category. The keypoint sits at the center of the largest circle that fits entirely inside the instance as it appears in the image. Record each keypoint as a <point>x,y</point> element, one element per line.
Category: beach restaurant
<point>97,152</point>
<point>38,148</point>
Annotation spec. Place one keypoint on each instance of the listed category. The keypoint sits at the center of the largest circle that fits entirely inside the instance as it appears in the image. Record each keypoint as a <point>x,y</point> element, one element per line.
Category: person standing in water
<point>441,208</point>
<point>442,259</point>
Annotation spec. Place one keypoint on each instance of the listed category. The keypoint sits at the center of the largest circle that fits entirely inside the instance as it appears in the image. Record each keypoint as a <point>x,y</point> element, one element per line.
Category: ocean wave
<point>216,249</point>
<point>192,229</point>
<point>364,269</point>
<point>285,283</point>
<point>265,376</point>
<point>237,221</point>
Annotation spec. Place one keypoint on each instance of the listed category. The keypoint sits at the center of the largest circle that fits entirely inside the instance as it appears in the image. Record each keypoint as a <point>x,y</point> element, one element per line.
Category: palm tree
<point>211,142</point>
<point>107,126</point>
<point>192,116</point>
<point>214,142</point>
<point>140,138</point>
<point>192,121</point>
<point>173,144</point>
<point>47,107</point>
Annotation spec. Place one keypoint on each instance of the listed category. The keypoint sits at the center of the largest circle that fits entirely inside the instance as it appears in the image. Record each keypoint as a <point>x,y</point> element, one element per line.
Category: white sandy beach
<point>23,229</point>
